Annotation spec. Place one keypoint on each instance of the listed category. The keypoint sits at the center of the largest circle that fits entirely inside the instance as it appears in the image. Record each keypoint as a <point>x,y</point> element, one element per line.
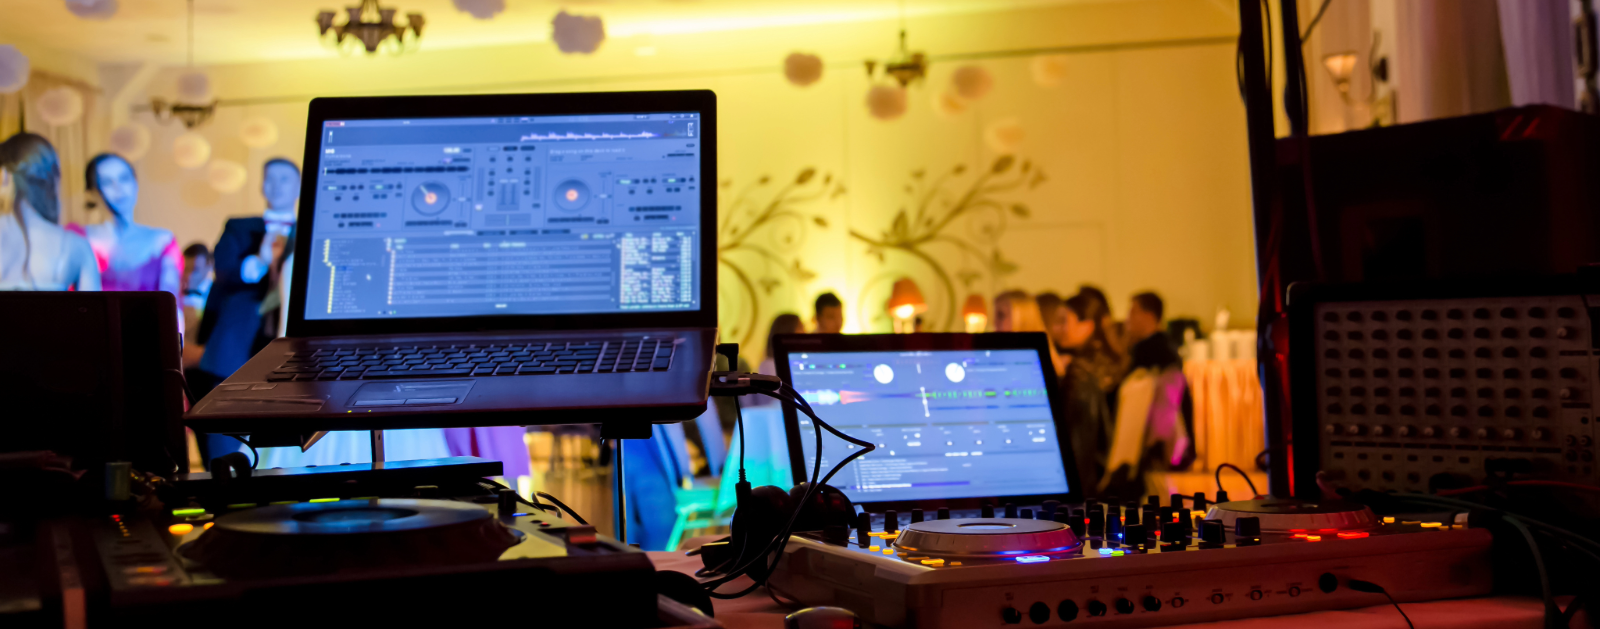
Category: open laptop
<point>493,260</point>
<point>960,420</point>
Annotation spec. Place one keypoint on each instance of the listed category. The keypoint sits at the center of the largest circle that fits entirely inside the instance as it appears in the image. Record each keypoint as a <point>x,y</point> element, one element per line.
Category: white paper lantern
<point>1048,70</point>
<point>131,141</point>
<point>886,102</point>
<point>225,175</point>
<point>60,106</point>
<point>93,9</point>
<point>258,133</point>
<point>802,69</point>
<point>481,9</point>
<point>972,82</point>
<point>14,68</point>
<point>1004,136</point>
<point>191,150</point>
<point>194,87</point>
<point>577,33</point>
<point>949,105</point>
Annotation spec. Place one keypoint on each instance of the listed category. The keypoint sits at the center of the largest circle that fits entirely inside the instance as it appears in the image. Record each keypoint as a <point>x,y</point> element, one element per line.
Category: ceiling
<point>239,31</point>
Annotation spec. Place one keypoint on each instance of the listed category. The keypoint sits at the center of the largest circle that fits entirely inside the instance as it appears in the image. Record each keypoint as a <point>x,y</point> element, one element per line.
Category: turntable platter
<point>317,538</point>
<point>1286,516</point>
<point>990,538</point>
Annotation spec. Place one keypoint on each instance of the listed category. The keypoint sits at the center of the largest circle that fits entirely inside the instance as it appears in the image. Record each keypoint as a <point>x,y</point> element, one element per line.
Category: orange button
<point>1353,535</point>
<point>181,528</point>
<point>145,570</point>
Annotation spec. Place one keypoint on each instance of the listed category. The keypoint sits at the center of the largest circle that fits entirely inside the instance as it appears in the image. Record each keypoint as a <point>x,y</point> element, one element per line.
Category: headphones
<point>763,513</point>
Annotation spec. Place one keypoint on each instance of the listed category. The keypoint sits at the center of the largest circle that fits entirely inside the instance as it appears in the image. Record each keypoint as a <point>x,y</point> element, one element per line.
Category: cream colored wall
<point>1143,150</point>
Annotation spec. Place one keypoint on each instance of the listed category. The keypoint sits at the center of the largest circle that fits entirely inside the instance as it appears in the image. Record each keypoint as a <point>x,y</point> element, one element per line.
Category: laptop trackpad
<point>429,393</point>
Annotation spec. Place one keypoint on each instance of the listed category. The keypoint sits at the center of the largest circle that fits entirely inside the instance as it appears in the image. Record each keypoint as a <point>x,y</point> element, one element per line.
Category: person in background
<point>829,315</point>
<point>1155,412</point>
<point>1004,318</point>
<point>196,285</point>
<point>1116,340</point>
<point>786,323</point>
<point>1049,303</point>
<point>1099,355</point>
<point>35,252</point>
<point>131,256</point>
<point>232,328</point>
<point>1088,412</point>
<point>1022,315</point>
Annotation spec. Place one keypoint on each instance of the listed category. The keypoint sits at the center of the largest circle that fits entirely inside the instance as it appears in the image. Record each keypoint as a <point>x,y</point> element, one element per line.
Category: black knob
<point>1011,509</point>
<point>1131,517</point>
<point>1222,496</point>
<point>1096,608</point>
<point>1097,521</point>
<point>836,534</point>
<point>1133,535</point>
<point>508,503</point>
<point>1151,604</point>
<point>1113,524</point>
<point>1212,534</point>
<point>1200,503</point>
<point>1026,514</point>
<point>1327,583</point>
<point>1049,509</point>
<point>1175,534</point>
<point>1248,526</point>
<point>1067,611</point>
<point>1153,500</point>
<point>944,513</point>
<point>1124,606</point>
<point>1151,517</point>
<point>864,521</point>
<point>1175,501</point>
<point>916,516</point>
<point>1011,616</point>
<point>1039,613</point>
<point>987,511</point>
<point>1075,521</point>
<point>891,521</point>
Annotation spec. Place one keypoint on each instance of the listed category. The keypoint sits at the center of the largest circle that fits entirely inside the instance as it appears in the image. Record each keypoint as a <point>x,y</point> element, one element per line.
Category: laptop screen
<point>544,215</point>
<point>948,424</point>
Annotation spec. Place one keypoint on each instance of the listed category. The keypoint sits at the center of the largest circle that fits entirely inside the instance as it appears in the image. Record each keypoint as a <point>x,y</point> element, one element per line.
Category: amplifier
<point>1431,385</point>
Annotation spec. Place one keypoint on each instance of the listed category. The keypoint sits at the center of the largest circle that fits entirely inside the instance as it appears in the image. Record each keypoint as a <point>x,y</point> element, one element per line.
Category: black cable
<point>255,456</point>
<point>535,504</point>
<point>1552,612</point>
<point>1373,588</point>
<point>1314,20</point>
<point>561,505</point>
<point>779,543</point>
<point>1220,466</point>
<point>738,414</point>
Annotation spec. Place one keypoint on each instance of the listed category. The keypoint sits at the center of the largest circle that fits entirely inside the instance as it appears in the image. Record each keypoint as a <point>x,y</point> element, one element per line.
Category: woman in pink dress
<point>131,256</point>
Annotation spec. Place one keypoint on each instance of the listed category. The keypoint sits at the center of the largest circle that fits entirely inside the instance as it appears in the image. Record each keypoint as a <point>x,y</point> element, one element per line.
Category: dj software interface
<point>947,424</point>
<point>520,215</point>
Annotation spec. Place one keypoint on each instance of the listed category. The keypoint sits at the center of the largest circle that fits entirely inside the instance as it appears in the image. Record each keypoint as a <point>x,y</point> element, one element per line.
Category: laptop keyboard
<point>502,359</point>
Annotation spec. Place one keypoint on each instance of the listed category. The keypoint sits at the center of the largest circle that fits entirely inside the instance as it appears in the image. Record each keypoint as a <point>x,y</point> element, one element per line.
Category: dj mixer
<point>1107,566</point>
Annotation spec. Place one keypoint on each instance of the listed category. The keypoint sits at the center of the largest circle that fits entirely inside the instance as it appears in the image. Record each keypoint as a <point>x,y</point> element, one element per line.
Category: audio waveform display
<point>828,397</point>
<point>642,135</point>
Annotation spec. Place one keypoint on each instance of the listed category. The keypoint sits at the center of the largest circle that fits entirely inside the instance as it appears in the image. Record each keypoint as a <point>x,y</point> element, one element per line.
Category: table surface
<point>758,611</point>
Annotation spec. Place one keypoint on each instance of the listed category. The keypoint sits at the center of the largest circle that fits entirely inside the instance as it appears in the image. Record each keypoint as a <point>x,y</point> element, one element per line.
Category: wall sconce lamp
<point>905,303</point>
<point>976,314</point>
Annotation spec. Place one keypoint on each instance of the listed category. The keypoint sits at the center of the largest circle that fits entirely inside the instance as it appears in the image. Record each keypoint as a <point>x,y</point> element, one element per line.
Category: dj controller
<point>1139,566</point>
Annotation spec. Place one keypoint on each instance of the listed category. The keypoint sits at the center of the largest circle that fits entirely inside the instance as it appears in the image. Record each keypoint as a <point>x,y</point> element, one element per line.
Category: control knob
<point>1096,608</point>
<point>1124,606</point>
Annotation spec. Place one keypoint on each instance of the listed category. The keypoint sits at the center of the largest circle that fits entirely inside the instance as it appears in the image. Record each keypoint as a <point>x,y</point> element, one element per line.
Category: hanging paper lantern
<point>93,9</point>
<point>481,9</point>
<point>972,82</point>
<point>60,106</point>
<point>191,150</point>
<point>949,105</point>
<point>14,69</point>
<point>1049,70</point>
<point>130,141</point>
<point>577,33</point>
<point>886,102</point>
<point>258,133</point>
<point>194,87</point>
<point>225,175</point>
<point>802,69</point>
<point>1004,136</point>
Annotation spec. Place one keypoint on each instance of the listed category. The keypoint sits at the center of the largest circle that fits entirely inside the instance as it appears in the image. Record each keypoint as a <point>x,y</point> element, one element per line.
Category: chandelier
<point>904,66</point>
<point>190,115</point>
<point>374,27</point>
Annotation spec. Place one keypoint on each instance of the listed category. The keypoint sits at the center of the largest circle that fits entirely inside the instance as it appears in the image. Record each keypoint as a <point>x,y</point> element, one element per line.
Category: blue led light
<point>1032,559</point>
<point>1105,551</point>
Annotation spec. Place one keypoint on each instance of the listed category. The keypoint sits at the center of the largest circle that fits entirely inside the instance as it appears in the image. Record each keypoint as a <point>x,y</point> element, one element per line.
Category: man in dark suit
<point>247,257</point>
